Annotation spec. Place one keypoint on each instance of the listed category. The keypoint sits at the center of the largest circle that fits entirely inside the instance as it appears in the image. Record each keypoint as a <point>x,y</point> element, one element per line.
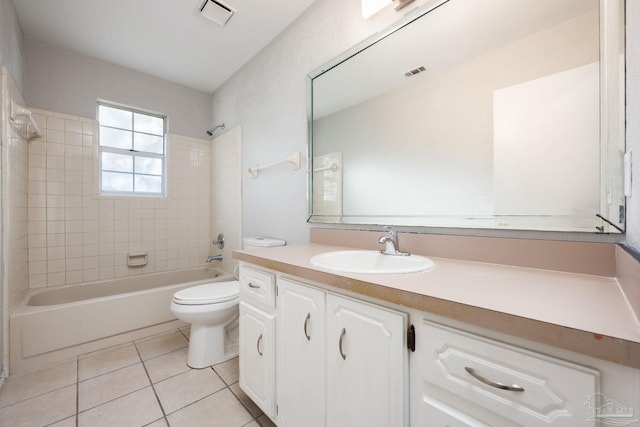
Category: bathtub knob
<point>219,241</point>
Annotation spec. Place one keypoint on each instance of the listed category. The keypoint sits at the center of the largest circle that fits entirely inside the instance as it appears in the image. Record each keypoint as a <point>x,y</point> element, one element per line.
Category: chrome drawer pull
<point>342,334</point>
<point>252,286</point>
<point>495,384</point>
<point>306,322</point>
<point>258,345</point>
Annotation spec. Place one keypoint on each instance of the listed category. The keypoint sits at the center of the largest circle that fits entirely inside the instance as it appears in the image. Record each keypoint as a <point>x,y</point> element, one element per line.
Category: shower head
<point>213,129</point>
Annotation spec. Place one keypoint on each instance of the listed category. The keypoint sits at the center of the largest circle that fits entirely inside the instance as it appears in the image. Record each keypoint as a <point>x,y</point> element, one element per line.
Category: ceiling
<point>167,39</point>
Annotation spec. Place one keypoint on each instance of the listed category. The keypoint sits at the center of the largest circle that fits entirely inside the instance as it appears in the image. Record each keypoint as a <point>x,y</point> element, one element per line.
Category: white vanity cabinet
<point>311,356</point>
<point>257,343</point>
<point>467,380</point>
<point>301,355</point>
<point>359,348</point>
<point>367,364</point>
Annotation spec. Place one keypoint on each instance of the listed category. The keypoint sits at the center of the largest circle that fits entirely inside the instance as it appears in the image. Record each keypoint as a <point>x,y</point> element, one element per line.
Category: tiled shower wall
<point>76,235</point>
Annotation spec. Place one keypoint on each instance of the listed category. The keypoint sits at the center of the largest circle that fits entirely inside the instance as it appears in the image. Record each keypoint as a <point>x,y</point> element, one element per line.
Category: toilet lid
<point>209,293</point>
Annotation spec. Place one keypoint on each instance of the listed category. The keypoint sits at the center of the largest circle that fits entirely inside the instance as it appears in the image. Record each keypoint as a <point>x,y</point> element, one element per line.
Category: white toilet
<point>212,309</point>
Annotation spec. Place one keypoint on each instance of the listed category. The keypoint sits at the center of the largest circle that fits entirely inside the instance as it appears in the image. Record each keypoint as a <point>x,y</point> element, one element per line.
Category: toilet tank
<point>261,242</point>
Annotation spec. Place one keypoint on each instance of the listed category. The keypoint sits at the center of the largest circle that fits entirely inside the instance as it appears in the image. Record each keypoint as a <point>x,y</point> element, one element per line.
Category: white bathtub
<point>56,324</point>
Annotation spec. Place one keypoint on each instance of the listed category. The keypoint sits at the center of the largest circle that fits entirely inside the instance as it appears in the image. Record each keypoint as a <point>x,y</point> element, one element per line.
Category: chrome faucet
<point>390,242</point>
<point>214,258</point>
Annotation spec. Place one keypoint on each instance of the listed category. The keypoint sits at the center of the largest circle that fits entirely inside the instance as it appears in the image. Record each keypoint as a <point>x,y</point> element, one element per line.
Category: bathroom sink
<point>371,262</point>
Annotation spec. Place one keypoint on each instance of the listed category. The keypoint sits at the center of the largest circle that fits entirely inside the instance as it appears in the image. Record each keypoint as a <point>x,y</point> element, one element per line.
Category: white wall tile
<point>90,275</point>
<point>55,279</point>
<point>88,236</point>
<point>72,277</point>
<point>73,126</point>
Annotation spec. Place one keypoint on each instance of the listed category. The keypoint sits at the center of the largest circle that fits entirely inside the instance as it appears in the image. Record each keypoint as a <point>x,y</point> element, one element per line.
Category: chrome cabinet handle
<point>258,345</point>
<point>306,322</point>
<point>252,286</point>
<point>495,384</point>
<point>342,334</point>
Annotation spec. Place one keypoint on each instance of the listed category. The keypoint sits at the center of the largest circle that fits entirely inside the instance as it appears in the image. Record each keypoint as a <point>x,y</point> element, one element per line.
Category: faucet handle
<point>391,230</point>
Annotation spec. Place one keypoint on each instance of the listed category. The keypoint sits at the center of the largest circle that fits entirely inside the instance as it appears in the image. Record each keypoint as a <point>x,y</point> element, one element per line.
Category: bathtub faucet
<point>214,258</point>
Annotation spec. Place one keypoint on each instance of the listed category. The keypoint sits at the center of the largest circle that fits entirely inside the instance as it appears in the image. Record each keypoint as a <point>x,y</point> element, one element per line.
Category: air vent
<point>415,71</point>
<point>216,11</point>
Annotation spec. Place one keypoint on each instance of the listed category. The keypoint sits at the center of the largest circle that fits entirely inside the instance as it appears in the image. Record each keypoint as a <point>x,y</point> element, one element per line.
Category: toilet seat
<point>209,293</point>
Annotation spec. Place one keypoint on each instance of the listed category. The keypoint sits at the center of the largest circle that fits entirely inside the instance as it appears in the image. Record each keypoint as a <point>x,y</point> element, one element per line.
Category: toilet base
<point>207,347</point>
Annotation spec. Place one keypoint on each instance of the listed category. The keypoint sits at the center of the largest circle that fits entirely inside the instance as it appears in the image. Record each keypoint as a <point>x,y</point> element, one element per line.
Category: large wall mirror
<point>501,114</point>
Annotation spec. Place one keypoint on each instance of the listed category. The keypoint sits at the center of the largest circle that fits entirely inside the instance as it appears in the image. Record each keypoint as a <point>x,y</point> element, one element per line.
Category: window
<point>132,151</point>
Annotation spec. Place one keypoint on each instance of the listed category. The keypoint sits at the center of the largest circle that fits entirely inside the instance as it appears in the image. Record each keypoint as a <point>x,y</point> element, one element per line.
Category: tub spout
<point>211,258</point>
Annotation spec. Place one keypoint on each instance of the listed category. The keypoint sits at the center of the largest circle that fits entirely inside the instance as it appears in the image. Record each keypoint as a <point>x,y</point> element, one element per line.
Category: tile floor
<point>143,383</point>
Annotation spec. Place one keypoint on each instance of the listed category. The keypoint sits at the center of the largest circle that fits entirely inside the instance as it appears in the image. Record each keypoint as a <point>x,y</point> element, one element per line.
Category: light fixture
<point>371,7</point>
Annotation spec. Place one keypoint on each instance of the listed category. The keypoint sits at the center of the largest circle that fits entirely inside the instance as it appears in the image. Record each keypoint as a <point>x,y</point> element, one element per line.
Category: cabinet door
<point>301,355</point>
<point>366,365</point>
<point>257,357</point>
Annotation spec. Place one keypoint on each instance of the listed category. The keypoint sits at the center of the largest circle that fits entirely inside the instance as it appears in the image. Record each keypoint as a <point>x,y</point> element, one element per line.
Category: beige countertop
<point>584,313</point>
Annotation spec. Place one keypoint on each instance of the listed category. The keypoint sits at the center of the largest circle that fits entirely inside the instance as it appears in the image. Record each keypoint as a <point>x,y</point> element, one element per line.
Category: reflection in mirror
<point>493,114</point>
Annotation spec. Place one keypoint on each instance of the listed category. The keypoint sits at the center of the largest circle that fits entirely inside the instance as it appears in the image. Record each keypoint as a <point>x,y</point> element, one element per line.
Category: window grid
<point>132,152</point>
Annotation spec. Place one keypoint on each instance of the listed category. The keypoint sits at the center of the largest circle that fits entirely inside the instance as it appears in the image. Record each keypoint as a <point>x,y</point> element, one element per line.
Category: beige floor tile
<point>42,410</point>
<point>228,370</point>
<point>67,422</point>
<point>221,409</point>
<point>168,365</point>
<point>264,421</point>
<point>23,387</point>
<point>98,390</point>
<point>101,362</point>
<point>185,388</point>
<point>252,424</point>
<point>245,400</point>
<point>136,409</point>
<point>161,344</point>
<point>160,423</point>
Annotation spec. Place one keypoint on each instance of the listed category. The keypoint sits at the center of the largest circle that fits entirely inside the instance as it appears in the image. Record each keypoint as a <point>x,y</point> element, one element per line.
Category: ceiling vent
<point>415,71</point>
<point>216,11</point>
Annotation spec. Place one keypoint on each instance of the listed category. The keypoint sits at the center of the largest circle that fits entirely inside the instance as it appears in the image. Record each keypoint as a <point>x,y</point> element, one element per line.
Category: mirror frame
<point>612,132</point>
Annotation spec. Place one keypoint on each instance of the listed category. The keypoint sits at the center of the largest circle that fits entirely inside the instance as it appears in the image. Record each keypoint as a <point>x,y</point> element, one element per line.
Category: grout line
<point>183,334</point>
<point>198,400</point>
<point>162,355</point>
<point>108,373</point>
<point>40,394</point>
<point>228,387</point>
<point>56,422</point>
<point>164,414</point>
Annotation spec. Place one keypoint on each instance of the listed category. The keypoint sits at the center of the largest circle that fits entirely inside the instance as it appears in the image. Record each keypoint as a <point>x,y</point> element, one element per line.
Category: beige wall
<point>11,43</point>
<point>79,80</point>
<point>76,235</point>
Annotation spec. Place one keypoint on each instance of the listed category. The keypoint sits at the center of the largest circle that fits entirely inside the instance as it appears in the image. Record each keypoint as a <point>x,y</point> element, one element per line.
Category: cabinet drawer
<point>258,287</point>
<point>525,387</point>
